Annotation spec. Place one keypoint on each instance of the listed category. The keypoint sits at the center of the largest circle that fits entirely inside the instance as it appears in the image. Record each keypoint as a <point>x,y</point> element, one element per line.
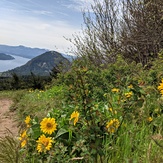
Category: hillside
<point>5,57</point>
<point>40,65</point>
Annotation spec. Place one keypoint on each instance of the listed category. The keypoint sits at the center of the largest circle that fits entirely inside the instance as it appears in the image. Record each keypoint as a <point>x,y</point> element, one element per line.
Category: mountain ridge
<point>41,65</point>
<point>23,51</point>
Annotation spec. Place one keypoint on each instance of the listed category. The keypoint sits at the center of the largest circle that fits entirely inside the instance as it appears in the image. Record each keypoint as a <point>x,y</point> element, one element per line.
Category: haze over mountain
<point>40,65</point>
<point>22,51</point>
<point>20,55</point>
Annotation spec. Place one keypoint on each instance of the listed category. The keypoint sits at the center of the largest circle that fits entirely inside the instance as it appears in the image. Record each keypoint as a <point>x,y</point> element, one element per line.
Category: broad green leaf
<point>61,132</point>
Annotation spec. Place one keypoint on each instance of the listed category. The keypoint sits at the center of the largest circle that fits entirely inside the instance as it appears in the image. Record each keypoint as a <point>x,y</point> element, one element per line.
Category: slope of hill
<point>40,65</point>
<point>4,56</point>
<point>22,51</point>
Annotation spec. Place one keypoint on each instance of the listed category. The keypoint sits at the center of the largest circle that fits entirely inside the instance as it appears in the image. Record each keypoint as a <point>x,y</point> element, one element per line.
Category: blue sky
<point>41,23</point>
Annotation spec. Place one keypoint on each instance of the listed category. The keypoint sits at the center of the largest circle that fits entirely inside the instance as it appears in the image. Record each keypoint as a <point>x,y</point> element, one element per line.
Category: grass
<point>137,140</point>
<point>9,149</point>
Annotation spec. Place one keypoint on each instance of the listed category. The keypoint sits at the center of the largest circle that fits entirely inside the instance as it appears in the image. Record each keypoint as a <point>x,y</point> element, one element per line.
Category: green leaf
<point>35,131</point>
<point>61,132</point>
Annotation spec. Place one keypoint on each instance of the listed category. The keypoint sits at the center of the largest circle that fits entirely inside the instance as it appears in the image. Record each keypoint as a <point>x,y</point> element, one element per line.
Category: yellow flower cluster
<point>23,138</point>
<point>160,87</point>
<point>47,126</point>
<point>112,125</point>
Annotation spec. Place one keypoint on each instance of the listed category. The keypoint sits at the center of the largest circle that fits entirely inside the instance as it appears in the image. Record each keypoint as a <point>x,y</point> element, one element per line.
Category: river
<point>10,64</point>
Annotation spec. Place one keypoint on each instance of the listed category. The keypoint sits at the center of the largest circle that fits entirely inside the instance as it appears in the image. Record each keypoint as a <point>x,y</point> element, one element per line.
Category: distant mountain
<point>40,65</point>
<point>22,51</point>
<point>5,57</point>
<point>27,52</point>
<point>69,57</point>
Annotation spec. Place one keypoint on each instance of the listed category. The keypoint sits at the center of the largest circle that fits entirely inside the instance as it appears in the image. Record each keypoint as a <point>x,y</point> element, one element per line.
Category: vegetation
<point>24,82</point>
<point>132,28</point>
<point>93,115</point>
<point>108,107</point>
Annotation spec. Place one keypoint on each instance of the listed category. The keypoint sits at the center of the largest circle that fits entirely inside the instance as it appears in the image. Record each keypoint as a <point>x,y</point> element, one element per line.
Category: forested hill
<point>40,65</point>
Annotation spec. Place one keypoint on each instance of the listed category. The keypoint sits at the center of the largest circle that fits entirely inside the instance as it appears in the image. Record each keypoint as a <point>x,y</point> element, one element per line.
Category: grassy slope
<point>135,143</point>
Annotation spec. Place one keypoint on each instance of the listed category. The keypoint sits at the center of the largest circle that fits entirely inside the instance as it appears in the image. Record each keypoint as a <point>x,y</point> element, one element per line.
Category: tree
<point>132,28</point>
<point>99,43</point>
<point>15,82</point>
<point>142,29</point>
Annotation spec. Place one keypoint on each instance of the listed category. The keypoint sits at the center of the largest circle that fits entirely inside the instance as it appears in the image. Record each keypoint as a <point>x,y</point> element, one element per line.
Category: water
<point>6,65</point>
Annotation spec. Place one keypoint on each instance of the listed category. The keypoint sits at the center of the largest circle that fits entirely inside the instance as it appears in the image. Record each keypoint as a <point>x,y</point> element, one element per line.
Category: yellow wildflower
<point>128,94</point>
<point>75,115</point>
<point>44,143</point>
<point>115,90</point>
<point>130,86</point>
<point>48,125</point>
<point>160,87</point>
<point>23,138</point>
<point>23,143</point>
<point>27,121</point>
<point>112,125</point>
<point>149,119</point>
<point>110,109</point>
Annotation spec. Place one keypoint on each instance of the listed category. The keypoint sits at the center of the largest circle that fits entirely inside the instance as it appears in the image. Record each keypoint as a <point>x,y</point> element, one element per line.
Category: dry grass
<point>9,149</point>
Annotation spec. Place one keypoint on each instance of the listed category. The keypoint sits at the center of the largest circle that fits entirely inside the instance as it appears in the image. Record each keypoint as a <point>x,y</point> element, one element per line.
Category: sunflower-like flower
<point>75,115</point>
<point>48,125</point>
<point>27,121</point>
<point>112,125</point>
<point>23,138</point>
<point>44,143</point>
<point>160,87</point>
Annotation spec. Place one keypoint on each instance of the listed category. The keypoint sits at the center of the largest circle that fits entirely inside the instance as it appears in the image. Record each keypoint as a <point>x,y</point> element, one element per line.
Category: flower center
<point>45,143</point>
<point>49,125</point>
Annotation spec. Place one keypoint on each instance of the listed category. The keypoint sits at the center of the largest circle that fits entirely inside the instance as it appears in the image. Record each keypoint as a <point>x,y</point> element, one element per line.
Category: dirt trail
<point>7,120</point>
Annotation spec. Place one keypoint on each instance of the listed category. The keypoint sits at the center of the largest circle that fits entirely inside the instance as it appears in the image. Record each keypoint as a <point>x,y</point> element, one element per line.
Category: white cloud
<point>35,25</point>
<point>80,5</point>
<point>36,33</point>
